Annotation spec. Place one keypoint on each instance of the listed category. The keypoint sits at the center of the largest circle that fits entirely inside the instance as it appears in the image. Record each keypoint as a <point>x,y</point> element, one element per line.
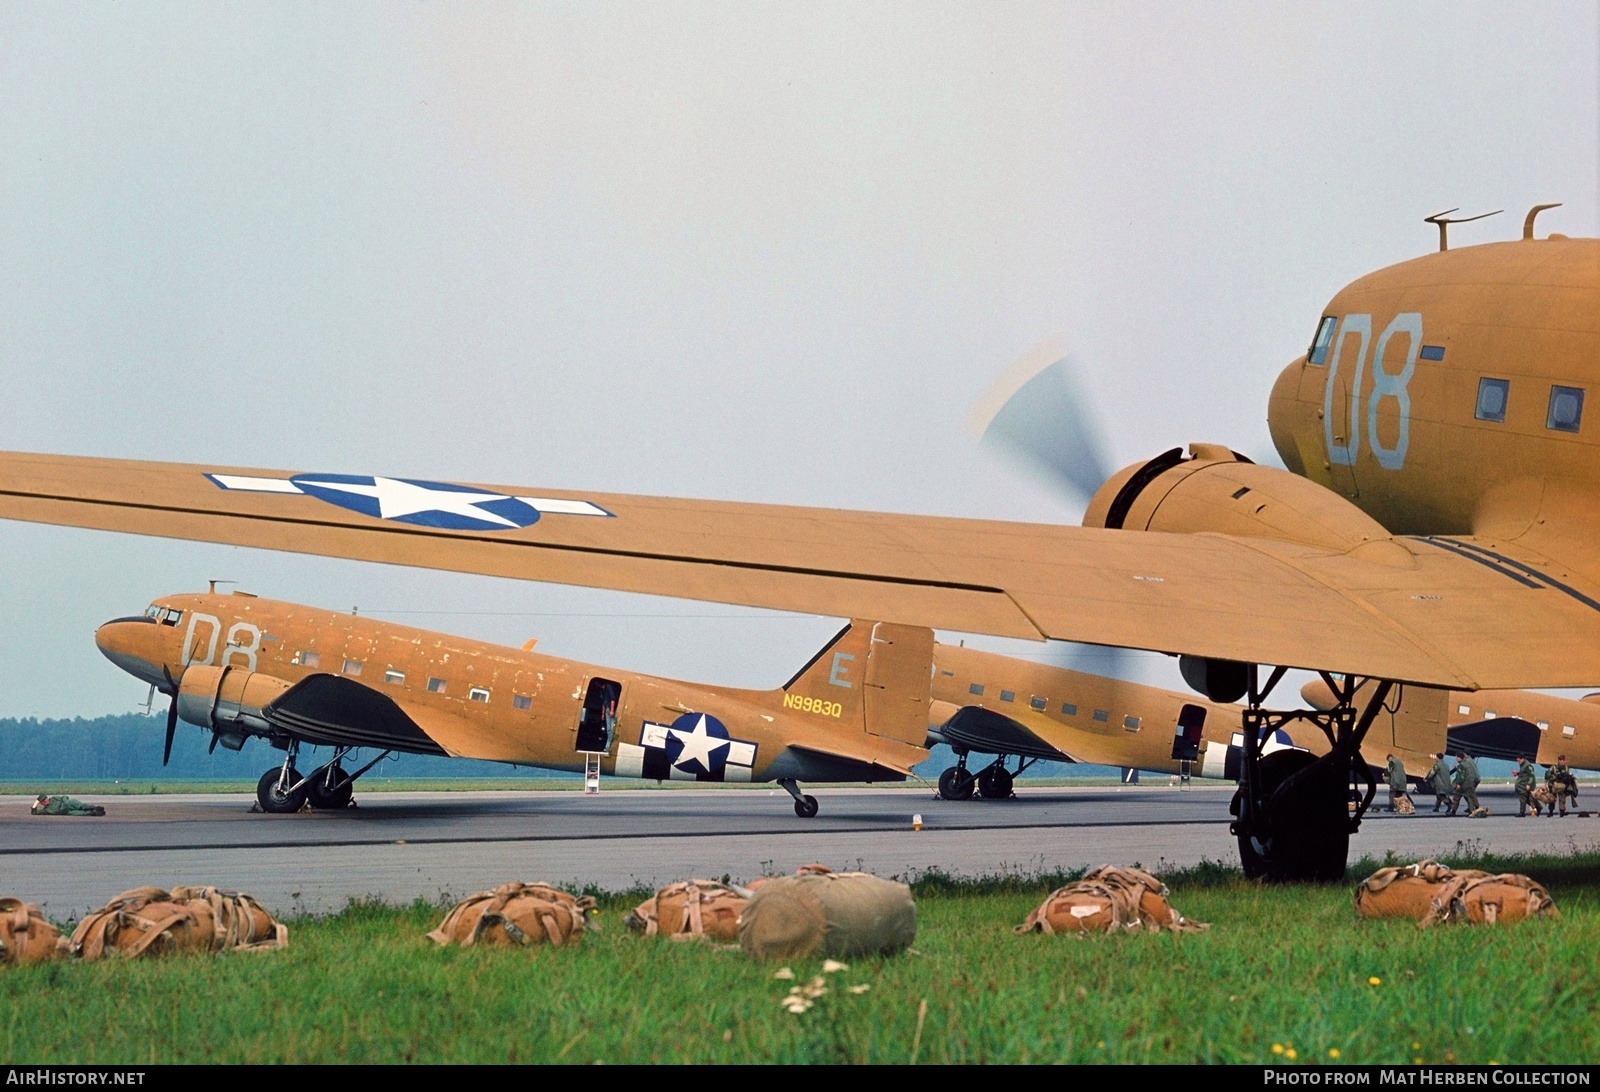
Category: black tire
<point>957,784</point>
<point>275,802</point>
<point>323,800</point>
<point>995,783</point>
<point>1304,837</point>
<point>805,807</point>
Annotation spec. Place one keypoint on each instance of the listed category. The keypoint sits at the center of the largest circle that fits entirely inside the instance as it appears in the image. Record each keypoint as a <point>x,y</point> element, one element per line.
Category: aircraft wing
<point>1457,613</point>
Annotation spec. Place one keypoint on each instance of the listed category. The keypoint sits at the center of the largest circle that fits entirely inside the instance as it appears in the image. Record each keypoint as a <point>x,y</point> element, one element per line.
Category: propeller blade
<point>1038,414</point>
<point>172,728</point>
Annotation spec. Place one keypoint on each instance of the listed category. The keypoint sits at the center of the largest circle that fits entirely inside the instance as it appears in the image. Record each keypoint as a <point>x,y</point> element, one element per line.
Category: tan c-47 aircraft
<point>1437,525</point>
<point>241,666</point>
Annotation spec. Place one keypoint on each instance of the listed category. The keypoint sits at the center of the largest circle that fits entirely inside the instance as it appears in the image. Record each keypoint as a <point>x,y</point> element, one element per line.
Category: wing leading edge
<point>1457,613</point>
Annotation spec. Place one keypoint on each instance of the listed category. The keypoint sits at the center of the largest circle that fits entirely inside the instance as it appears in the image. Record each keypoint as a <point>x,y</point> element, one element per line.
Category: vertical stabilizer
<point>872,677</point>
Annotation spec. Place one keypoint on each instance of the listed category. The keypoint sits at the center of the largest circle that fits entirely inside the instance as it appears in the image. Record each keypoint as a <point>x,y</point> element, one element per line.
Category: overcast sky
<point>752,252</point>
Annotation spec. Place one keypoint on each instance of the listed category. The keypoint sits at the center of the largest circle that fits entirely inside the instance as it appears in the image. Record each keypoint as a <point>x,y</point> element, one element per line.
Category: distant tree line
<point>128,747</point>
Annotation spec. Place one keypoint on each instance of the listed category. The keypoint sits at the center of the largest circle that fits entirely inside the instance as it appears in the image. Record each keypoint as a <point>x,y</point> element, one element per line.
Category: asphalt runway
<point>398,847</point>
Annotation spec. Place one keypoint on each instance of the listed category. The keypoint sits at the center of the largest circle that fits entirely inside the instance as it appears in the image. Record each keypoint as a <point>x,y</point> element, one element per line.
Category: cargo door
<point>898,680</point>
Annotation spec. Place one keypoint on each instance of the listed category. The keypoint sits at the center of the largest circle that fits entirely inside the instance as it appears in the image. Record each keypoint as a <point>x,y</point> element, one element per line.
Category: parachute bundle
<point>1110,900</point>
<point>25,935</point>
<point>691,910</point>
<point>834,914</point>
<point>516,915</point>
<point>1488,900</point>
<point>1405,891</point>
<point>151,921</point>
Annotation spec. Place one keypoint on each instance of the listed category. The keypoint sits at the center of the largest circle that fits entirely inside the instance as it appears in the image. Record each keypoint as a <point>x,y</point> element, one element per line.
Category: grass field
<point>1285,974</point>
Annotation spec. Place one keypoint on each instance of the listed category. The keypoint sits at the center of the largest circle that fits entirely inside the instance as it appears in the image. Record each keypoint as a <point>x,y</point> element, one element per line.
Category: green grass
<point>1284,966</point>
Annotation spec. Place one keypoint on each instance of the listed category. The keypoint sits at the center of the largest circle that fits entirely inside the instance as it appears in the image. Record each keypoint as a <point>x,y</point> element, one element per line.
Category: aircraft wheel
<point>995,783</point>
<point>1304,835</point>
<point>957,784</point>
<point>805,807</point>
<point>278,803</point>
<point>324,800</point>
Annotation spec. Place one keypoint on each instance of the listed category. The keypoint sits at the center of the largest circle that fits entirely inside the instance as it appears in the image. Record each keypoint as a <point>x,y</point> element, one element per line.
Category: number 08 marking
<point>1385,384</point>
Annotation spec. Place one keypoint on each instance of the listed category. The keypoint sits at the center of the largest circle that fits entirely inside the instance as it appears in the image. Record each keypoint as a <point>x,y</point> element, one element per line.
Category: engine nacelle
<point>229,701</point>
<point>1215,489</point>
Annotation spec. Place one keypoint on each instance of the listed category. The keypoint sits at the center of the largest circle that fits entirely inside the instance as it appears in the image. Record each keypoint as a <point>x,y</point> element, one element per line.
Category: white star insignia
<point>698,744</point>
<point>397,498</point>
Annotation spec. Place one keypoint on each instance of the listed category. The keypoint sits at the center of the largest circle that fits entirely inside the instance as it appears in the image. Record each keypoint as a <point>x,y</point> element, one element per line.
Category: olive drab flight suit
<point>64,805</point>
<point>1396,776</point>
<point>1464,782</point>
<point>1524,783</point>
<point>1439,778</point>
<point>1562,784</point>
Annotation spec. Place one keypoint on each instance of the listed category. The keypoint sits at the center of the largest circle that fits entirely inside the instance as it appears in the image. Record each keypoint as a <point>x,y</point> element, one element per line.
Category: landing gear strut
<point>993,782</point>
<point>804,806</point>
<point>327,788</point>
<point>1295,812</point>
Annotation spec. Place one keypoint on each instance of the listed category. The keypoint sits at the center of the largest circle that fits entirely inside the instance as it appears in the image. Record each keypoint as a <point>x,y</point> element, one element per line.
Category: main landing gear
<point>804,806</point>
<point>327,788</point>
<point>1295,812</point>
<point>993,782</point>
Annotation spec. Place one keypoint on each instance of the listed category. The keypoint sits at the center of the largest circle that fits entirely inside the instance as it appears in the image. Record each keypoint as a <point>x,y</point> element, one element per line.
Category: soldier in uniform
<point>1524,783</point>
<point>1439,778</point>
<point>1396,776</point>
<point>1562,784</point>
<point>1464,782</point>
<point>64,805</point>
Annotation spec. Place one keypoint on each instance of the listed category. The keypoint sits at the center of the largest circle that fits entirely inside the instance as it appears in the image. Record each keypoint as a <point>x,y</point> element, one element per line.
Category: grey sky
<point>736,251</point>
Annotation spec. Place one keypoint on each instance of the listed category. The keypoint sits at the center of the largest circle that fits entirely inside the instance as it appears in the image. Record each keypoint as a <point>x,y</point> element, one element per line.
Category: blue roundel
<point>426,504</point>
<point>697,743</point>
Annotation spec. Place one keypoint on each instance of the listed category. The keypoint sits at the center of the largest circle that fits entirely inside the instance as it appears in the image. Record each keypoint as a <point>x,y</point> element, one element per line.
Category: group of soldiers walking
<point>1452,787</point>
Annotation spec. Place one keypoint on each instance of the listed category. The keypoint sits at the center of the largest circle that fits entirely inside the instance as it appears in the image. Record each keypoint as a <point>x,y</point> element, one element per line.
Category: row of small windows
<point>353,668</point>
<point>1565,412</point>
<point>1068,709</point>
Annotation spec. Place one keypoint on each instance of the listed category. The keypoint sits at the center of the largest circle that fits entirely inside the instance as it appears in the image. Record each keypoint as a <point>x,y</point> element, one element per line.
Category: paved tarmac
<point>397,847</point>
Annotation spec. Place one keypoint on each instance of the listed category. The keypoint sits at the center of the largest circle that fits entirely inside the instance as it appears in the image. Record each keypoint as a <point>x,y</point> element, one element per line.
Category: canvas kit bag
<point>516,915</point>
<point>833,914</point>
<point>691,910</point>
<point>25,935</point>
<point>151,921</point>
<point>1109,900</point>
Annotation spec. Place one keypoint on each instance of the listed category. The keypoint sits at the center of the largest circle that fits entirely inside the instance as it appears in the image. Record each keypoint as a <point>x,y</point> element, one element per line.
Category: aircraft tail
<point>873,676</point>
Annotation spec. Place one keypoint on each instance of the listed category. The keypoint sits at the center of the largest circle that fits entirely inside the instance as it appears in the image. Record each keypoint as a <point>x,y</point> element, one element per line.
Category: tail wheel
<point>274,800</point>
<point>805,807</point>
<point>957,784</point>
<point>1303,834</point>
<point>324,799</point>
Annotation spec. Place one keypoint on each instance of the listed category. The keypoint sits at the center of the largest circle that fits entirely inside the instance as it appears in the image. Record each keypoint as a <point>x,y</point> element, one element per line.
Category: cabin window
<point>398,678</point>
<point>951,674</point>
<point>1489,714</point>
<point>352,667</point>
<point>521,701</point>
<point>436,686</point>
<point>1464,710</point>
<point>1567,731</point>
<point>1008,695</point>
<point>1102,715</point>
<point>1544,726</point>
<point>1492,396</point>
<point>1432,352</point>
<point>477,693</point>
<point>307,659</point>
<point>1566,409</point>
<point>1320,343</point>
<point>1039,704</point>
<point>976,688</point>
<point>1131,723</point>
<point>1068,709</point>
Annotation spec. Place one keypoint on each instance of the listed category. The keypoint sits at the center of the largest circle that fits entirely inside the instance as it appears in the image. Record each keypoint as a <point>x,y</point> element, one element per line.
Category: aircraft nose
<point>136,645</point>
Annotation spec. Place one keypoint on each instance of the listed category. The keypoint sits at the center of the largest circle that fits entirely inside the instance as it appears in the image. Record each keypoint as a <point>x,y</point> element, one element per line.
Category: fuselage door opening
<point>597,720</point>
<point>1191,727</point>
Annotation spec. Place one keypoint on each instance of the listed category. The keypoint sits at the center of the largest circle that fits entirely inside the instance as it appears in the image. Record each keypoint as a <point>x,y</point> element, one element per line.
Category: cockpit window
<point>1324,339</point>
<point>171,618</point>
<point>1566,409</point>
<point>165,615</point>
